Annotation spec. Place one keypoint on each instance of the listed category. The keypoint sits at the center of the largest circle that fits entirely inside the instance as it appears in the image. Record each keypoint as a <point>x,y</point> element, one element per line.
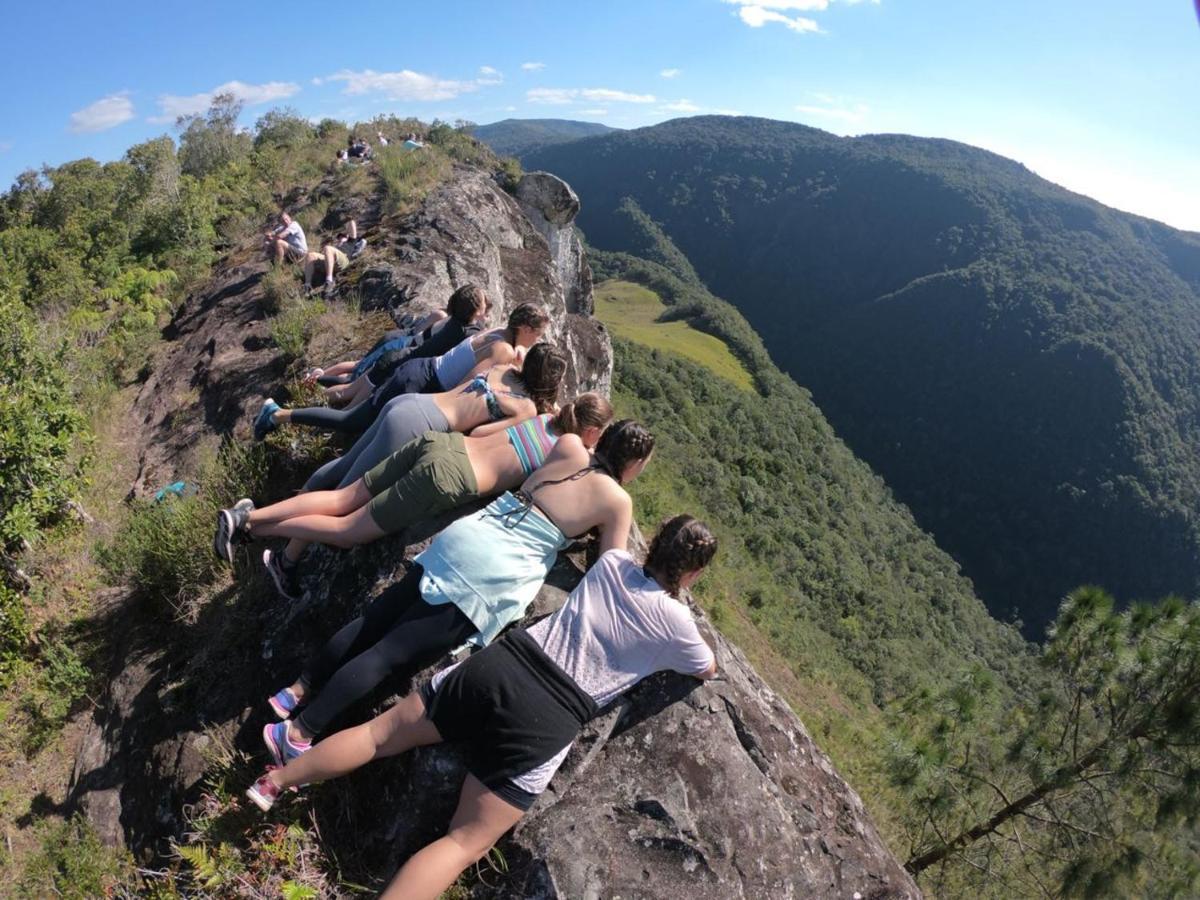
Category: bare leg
<point>329,264</point>
<point>352,229</point>
<point>295,549</point>
<point>343,531</point>
<point>310,260</point>
<point>342,368</point>
<point>401,728</point>
<point>480,820</point>
<point>337,502</point>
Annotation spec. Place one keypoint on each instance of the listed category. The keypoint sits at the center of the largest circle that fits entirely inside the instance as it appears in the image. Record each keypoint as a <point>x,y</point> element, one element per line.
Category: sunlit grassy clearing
<point>631,311</point>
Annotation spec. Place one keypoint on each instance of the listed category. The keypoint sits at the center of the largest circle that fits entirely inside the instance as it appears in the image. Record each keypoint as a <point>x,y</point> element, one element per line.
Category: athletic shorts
<point>425,477</point>
<point>513,707</point>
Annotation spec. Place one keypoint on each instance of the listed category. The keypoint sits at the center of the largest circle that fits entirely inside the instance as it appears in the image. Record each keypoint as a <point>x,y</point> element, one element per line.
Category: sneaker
<point>281,747</point>
<point>263,423</point>
<point>264,793</point>
<point>231,528</point>
<point>313,374</point>
<point>284,703</point>
<point>283,575</point>
<point>329,291</point>
<point>357,248</point>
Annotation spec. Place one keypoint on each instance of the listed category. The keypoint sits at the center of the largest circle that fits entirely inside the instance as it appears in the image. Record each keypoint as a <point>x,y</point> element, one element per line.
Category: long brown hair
<point>542,375</point>
<point>465,303</point>
<point>588,410</point>
<point>683,544</point>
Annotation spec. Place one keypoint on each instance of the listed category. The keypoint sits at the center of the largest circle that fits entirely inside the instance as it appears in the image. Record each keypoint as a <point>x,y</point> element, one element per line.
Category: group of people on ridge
<point>286,242</point>
<point>358,148</point>
<point>448,412</point>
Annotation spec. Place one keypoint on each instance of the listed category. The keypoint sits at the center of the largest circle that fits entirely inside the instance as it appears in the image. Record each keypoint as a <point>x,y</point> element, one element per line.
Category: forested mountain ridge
<point>1022,364</point>
<point>515,137</point>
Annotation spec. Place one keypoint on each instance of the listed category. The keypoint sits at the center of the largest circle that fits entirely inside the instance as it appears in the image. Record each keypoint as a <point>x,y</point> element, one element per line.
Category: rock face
<point>550,204</point>
<point>708,791</point>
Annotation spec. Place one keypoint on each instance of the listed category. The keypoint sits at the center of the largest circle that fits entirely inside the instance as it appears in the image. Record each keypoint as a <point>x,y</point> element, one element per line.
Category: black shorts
<point>513,707</point>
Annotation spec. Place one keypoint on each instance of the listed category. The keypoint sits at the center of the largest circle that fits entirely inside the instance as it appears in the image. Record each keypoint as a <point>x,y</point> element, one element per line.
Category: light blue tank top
<point>454,365</point>
<point>491,564</point>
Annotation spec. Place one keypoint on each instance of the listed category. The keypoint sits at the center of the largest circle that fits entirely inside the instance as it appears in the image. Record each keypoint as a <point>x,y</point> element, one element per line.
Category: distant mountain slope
<point>1021,363</point>
<point>517,137</point>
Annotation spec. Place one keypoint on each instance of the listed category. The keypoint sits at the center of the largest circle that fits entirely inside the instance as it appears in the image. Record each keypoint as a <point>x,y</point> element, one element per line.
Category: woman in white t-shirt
<point>518,704</point>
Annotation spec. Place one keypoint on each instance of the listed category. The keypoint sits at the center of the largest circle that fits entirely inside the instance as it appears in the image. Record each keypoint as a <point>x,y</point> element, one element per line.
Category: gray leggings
<point>401,420</point>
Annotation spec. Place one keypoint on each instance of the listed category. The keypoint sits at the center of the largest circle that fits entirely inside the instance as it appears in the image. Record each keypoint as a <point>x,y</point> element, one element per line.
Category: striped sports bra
<point>533,440</point>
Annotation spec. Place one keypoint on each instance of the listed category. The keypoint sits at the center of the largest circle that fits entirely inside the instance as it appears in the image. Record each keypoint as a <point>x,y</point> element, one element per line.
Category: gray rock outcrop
<point>708,791</point>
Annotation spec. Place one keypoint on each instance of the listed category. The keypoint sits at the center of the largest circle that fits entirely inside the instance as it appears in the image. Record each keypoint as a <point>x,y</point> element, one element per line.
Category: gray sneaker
<point>286,577</point>
<point>231,528</point>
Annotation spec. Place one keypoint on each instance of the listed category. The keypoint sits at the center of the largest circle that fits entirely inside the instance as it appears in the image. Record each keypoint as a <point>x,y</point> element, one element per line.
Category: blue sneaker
<point>263,423</point>
<point>284,703</point>
<point>282,748</point>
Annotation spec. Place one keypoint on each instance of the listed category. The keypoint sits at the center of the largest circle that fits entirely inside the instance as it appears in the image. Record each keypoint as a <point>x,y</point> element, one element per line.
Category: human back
<point>579,491</point>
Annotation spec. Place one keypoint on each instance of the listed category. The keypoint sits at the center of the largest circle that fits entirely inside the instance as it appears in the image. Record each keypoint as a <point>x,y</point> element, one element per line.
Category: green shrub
<point>73,863</point>
<point>292,328</point>
<point>61,680</point>
<point>408,175</point>
<point>280,286</point>
<point>164,549</point>
<point>39,427</point>
<point>14,632</point>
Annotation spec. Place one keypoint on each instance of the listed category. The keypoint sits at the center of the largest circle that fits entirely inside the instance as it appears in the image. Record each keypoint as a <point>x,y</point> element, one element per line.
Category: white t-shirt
<point>294,235</point>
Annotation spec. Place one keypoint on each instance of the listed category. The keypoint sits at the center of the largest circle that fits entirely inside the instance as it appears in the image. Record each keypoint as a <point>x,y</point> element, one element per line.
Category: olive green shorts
<point>426,476</point>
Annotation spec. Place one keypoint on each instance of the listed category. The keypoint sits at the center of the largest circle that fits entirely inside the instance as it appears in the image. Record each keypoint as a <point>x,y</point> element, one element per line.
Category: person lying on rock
<point>462,364</point>
<point>519,704</point>
<point>478,575</point>
<point>383,141</point>
<point>411,335</point>
<point>467,309</point>
<point>358,148</point>
<point>285,241</point>
<point>429,475</point>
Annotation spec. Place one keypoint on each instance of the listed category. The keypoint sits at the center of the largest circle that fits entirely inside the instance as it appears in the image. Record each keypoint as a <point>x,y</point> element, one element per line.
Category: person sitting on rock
<point>518,705</point>
<point>286,241</point>
<point>478,575</point>
<point>463,364</point>
<point>429,475</point>
<point>358,148</point>
<point>383,141</point>
<point>411,142</point>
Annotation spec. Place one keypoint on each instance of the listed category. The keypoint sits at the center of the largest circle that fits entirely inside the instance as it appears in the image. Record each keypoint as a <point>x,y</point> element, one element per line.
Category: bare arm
<point>614,531</point>
<point>490,428</point>
<point>429,321</point>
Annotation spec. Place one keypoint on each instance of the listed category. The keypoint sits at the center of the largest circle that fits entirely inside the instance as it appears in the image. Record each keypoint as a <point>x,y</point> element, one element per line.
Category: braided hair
<point>683,544</point>
<point>542,375</point>
<point>588,410</point>
<point>622,443</point>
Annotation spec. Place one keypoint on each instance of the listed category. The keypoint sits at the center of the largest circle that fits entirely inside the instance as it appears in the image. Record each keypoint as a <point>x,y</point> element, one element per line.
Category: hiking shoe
<point>313,374</point>
<point>284,703</point>
<point>283,575</point>
<point>281,747</point>
<point>357,248</point>
<point>263,423</point>
<point>264,793</point>
<point>231,528</point>
<point>329,291</point>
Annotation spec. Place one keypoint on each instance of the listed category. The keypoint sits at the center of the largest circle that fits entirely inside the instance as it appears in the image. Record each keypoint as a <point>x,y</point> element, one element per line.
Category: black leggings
<point>352,420</point>
<point>331,380</point>
<point>399,629</point>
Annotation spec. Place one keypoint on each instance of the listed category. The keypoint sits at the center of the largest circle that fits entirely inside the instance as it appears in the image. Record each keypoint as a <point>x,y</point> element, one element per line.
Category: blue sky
<point>1097,95</point>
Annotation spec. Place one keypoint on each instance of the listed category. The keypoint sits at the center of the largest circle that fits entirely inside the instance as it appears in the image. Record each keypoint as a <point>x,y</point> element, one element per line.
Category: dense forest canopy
<point>514,137</point>
<point>1022,364</point>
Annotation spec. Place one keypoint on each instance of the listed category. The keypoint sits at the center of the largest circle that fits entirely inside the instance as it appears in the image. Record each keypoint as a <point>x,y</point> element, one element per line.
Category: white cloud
<point>407,85</point>
<point>842,113</point>
<point>563,96</point>
<point>684,106</point>
<point>758,16</point>
<point>593,112</point>
<point>532,66</point>
<point>757,13</point>
<point>172,106</point>
<point>5,146</point>
<point>107,112</point>
<point>488,70</point>
<point>670,73</point>
<point>510,109</point>
<point>317,81</point>
<point>489,75</point>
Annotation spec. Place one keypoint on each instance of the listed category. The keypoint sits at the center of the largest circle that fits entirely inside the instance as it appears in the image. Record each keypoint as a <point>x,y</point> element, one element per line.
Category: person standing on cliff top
<point>286,241</point>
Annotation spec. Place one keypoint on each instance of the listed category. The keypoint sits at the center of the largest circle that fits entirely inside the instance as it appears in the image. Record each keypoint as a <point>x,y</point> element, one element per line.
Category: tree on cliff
<point>1083,781</point>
